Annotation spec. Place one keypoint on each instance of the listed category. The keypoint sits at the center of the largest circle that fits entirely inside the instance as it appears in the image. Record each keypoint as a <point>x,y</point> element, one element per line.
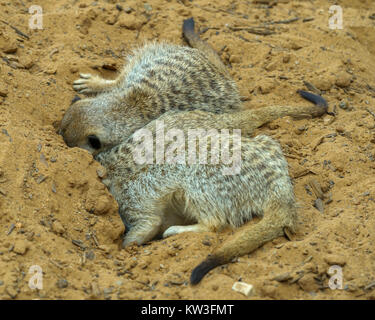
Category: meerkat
<point>163,199</point>
<point>157,78</point>
<point>170,198</point>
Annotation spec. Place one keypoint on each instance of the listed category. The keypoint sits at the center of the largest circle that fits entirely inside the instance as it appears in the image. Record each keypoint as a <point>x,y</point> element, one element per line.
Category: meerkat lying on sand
<point>158,78</point>
<point>185,89</point>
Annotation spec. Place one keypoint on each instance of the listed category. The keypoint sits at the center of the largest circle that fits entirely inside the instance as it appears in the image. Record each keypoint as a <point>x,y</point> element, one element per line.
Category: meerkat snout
<point>80,128</point>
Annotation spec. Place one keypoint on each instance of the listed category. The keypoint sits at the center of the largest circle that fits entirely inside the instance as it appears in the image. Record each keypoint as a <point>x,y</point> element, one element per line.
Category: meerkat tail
<point>193,39</point>
<point>314,98</point>
<point>249,120</point>
<point>245,240</point>
<point>317,109</point>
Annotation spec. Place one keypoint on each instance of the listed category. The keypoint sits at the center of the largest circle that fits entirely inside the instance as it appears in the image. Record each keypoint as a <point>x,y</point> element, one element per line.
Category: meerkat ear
<point>75,99</point>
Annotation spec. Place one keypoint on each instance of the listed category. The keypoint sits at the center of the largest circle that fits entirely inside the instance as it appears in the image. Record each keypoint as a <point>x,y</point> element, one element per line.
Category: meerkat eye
<point>94,142</point>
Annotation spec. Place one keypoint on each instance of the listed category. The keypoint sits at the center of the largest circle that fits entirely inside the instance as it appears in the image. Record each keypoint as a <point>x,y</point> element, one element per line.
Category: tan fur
<point>185,89</point>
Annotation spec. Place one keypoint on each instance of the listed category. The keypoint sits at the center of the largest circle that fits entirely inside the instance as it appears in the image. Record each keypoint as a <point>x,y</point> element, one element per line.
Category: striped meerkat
<point>157,78</point>
<point>185,88</point>
<point>166,199</point>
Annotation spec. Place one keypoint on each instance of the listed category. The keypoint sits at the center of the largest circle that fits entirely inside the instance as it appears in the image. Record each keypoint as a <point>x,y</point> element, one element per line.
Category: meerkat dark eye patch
<point>94,142</point>
<point>75,99</point>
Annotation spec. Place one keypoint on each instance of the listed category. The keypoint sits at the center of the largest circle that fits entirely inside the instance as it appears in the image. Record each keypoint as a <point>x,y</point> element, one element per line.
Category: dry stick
<point>95,239</point>
<point>204,30</point>
<point>311,87</point>
<point>263,30</point>
<point>56,264</point>
<point>370,112</point>
<point>308,19</point>
<point>247,40</point>
<point>284,21</point>
<point>216,10</point>
<point>17,30</point>
<point>11,228</point>
<point>256,30</point>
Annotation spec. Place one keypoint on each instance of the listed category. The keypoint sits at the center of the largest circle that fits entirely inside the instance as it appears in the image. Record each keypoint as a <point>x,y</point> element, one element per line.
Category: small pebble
<point>3,91</point>
<point>20,247</point>
<point>333,259</point>
<point>12,292</point>
<point>244,288</point>
<point>343,105</point>
<point>283,277</point>
<point>327,120</point>
<point>206,243</point>
<point>343,79</point>
<point>318,204</point>
<point>57,227</point>
<point>90,255</point>
<point>147,7</point>
<point>62,283</point>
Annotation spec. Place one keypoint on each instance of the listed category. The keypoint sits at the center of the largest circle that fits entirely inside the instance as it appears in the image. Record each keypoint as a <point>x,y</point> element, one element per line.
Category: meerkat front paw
<point>88,83</point>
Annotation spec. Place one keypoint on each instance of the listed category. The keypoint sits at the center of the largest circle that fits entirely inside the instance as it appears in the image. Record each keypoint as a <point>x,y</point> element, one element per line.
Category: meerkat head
<point>83,126</point>
<point>97,124</point>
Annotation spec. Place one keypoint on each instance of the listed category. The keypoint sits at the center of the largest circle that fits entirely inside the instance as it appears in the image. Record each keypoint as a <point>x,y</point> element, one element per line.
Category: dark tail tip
<point>188,28</point>
<point>203,268</point>
<point>314,98</point>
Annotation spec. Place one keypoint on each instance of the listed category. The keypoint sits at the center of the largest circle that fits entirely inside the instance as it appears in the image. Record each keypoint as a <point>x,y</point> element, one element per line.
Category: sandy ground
<point>56,214</point>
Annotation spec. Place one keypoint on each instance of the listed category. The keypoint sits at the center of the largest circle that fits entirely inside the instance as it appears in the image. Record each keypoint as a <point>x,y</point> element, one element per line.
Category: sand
<point>56,214</point>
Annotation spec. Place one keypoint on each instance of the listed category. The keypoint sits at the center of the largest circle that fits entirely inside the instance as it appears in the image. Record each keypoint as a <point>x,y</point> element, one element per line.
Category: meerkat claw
<point>80,81</point>
<point>81,88</point>
<point>88,83</point>
<point>85,75</point>
<point>84,84</point>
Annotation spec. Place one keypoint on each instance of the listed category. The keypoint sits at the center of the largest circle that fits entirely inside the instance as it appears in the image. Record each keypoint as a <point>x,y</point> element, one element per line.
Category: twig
<point>83,259</point>
<point>95,239</point>
<point>247,40</point>
<point>284,21</point>
<point>10,64</point>
<point>79,243</point>
<point>204,30</point>
<point>256,30</point>
<point>215,10</point>
<point>308,19</point>
<point>56,264</point>
<point>311,87</point>
<point>17,30</point>
<point>370,112</point>
<point>12,226</point>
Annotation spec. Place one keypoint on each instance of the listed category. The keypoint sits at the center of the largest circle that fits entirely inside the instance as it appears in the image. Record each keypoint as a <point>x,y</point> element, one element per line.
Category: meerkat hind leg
<point>173,230</point>
<point>91,84</point>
